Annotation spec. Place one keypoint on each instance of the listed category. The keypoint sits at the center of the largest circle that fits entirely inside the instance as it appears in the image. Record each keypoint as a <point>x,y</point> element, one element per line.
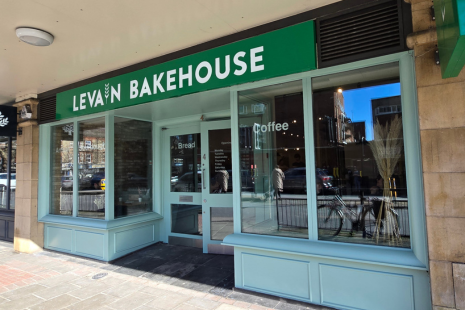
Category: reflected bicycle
<point>332,216</point>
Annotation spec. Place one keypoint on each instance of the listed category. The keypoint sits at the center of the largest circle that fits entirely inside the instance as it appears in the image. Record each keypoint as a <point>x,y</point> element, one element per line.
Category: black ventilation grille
<point>47,110</point>
<point>361,34</point>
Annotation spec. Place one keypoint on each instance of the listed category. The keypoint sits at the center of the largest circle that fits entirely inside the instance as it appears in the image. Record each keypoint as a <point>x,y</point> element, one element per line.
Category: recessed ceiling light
<point>34,37</point>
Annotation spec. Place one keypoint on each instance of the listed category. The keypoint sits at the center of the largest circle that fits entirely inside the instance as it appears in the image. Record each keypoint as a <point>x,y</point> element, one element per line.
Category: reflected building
<point>384,108</point>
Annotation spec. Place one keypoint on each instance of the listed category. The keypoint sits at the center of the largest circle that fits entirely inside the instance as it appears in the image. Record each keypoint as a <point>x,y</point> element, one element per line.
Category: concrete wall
<point>441,104</point>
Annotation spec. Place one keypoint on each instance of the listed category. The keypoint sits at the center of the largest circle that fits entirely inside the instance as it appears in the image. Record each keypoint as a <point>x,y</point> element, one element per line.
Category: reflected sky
<point>357,103</point>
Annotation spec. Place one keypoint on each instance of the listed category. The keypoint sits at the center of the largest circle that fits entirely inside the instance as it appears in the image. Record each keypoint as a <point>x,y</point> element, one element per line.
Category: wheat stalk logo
<point>107,92</point>
<point>3,121</point>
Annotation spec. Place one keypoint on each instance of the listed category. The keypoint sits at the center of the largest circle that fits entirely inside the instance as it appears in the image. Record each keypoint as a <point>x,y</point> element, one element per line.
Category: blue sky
<point>357,103</point>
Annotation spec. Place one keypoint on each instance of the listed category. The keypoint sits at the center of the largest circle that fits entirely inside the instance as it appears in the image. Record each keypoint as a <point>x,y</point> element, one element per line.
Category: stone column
<point>441,105</point>
<point>29,233</point>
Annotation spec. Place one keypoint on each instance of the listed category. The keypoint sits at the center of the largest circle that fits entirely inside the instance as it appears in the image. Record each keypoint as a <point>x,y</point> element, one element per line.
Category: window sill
<point>100,224</point>
<point>376,255</point>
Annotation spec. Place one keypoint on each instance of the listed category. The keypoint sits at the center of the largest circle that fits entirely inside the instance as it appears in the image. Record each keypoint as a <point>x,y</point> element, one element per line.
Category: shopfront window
<point>272,161</point>
<point>62,170</point>
<point>92,169</point>
<point>361,183</point>
<point>133,167</point>
<point>7,173</point>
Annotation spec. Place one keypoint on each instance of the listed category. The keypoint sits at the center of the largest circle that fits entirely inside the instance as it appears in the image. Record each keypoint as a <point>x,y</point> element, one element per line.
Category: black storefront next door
<point>7,171</point>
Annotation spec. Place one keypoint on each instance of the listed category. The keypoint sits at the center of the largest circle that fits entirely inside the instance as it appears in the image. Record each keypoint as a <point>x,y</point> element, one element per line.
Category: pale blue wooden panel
<point>351,288</point>
<point>134,238</point>
<point>285,277</point>
<point>90,244</point>
<point>60,239</point>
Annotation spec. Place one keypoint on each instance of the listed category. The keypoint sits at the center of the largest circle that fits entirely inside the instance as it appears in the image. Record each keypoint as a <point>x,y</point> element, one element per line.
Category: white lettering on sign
<point>175,78</point>
<point>187,76</point>
<point>240,63</point>
<point>145,88</point>
<point>206,65</point>
<point>116,94</point>
<point>225,74</point>
<point>95,98</point>
<point>186,145</point>
<point>270,127</point>
<point>254,59</point>
<point>170,79</point>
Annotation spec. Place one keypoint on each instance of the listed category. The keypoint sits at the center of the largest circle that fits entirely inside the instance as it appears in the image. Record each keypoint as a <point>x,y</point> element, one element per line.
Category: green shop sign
<point>277,53</point>
<point>450,27</point>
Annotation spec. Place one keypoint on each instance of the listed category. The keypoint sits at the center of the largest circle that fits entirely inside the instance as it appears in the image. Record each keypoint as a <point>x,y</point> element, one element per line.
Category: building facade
<point>321,150</point>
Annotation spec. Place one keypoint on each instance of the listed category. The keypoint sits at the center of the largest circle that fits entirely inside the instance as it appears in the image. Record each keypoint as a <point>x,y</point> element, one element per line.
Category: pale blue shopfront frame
<point>346,276</point>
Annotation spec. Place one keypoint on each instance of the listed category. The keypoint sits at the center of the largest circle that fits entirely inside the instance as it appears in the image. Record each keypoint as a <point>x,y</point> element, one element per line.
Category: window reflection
<point>7,177</point>
<point>92,168</point>
<point>186,175</point>
<point>133,167</point>
<point>186,219</point>
<point>62,170</point>
<point>272,159</point>
<point>221,222</point>
<point>359,154</point>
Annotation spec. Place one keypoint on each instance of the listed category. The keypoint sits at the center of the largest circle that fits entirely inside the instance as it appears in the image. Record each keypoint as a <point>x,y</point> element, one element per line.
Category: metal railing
<point>88,200</point>
<point>293,213</point>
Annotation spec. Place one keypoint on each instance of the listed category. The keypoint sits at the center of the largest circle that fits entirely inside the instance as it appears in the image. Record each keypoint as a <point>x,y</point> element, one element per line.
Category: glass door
<point>183,186</point>
<point>198,185</point>
<point>217,189</point>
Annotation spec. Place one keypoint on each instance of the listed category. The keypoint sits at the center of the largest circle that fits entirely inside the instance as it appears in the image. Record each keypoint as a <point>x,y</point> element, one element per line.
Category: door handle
<point>203,179</point>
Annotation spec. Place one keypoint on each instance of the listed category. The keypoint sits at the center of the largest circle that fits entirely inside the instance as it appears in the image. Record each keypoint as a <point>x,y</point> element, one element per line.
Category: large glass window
<point>361,184</point>
<point>62,170</point>
<point>133,167</point>
<point>92,169</point>
<point>272,161</point>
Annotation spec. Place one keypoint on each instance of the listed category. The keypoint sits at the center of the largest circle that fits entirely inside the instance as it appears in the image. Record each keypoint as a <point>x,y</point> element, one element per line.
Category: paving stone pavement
<point>175,280</point>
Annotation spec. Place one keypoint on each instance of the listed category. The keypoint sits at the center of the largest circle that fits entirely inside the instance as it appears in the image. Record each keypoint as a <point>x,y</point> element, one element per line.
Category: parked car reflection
<point>295,180</point>
<point>185,183</point>
<point>67,182</point>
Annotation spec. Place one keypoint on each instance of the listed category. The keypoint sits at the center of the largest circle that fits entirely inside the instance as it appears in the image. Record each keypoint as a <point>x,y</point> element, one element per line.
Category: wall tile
<point>34,171</point>
<point>445,238</point>
<point>27,134</point>
<point>35,134</point>
<point>19,155</point>
<point>35,153</point>
<point>442,285</point>
<point>442,106</point>
<point>22,226</point>
<point>421,5</point>
<point>443,150</point>
<point>19,189</point>
<point>427,72</point>
<point>459,285</point>
<point>421,19</point>
<point>27,153</point>
<point>444,194</point>
<point>26,188</point>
